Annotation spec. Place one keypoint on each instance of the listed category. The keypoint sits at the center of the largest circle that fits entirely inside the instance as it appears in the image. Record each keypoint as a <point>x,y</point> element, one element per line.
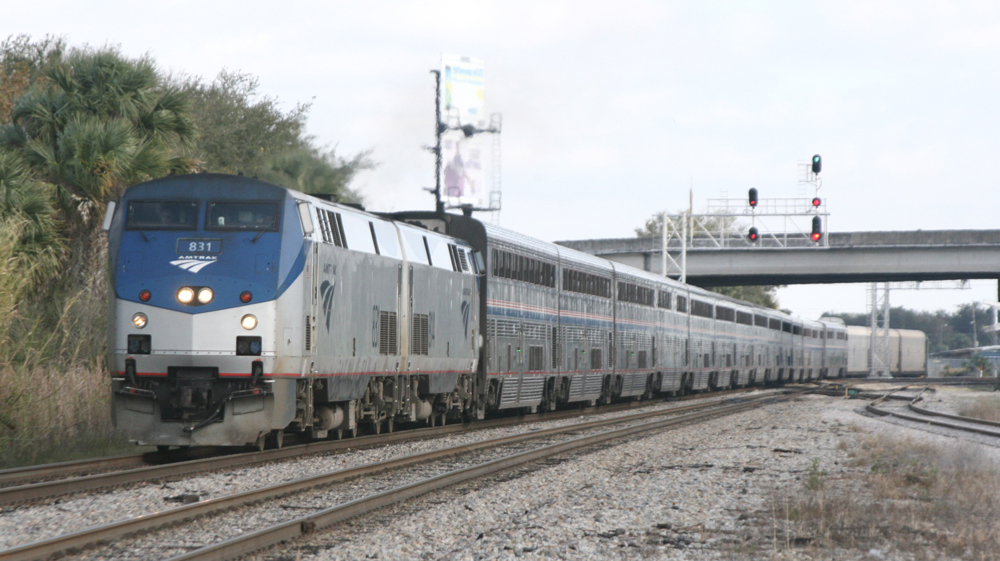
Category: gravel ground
<point>697,492</point>
<point>28,523</point>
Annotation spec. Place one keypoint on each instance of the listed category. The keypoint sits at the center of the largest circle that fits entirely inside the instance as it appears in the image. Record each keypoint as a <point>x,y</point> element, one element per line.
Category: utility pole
<point>879,365</point>
<point>975,338</point>
<point>439,129</point>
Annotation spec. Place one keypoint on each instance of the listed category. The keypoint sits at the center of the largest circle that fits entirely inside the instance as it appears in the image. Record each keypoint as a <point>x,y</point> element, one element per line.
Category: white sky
<point>613,110</point>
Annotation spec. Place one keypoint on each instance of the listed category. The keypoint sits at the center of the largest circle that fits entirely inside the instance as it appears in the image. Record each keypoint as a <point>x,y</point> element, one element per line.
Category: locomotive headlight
<point>139,320</point>
<point>205,295</point>
<point>249,322</point>
<point>185,295</point>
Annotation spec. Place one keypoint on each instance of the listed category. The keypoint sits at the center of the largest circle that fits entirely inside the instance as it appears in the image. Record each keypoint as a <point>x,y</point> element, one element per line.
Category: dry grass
<point>986,408</point>
<point>54,389</point>
<point>927,501</point>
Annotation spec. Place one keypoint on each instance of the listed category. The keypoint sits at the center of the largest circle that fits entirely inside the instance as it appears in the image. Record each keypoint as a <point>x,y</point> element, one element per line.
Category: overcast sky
<point>614,110</point>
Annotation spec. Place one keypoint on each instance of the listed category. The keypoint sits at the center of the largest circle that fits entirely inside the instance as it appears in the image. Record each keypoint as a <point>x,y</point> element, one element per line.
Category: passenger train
<point>242,311</point>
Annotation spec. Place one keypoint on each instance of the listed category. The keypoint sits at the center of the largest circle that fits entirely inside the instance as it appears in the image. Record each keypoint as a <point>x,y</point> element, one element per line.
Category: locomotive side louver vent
<point>421,334</point>
<point>308,334</point>
<point>595,359</point>
<point>332,227</point>
<point>387,333</point>
<point>536,358</point>
<point>463,259</point>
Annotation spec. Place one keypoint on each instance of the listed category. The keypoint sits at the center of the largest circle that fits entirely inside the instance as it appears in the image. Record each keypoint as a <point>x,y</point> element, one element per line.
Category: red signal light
<point>817,229</point>
<point>145,295</point>
<point>753,234</point>
<point>246,297</point>
<point>817,201</point>
<point>753,197</point>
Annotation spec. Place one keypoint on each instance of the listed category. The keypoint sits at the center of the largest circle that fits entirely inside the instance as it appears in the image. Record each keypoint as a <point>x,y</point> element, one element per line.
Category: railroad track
<point>106,472</point>
<point>457,464</point>
<point>934,418</point>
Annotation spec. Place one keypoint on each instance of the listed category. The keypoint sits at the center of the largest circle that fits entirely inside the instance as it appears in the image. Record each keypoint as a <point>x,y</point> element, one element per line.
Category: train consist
<point>907,352</point>
<point>243,310</point>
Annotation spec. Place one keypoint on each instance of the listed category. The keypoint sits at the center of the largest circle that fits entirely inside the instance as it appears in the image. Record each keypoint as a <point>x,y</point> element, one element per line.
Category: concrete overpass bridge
<point>848,257</point>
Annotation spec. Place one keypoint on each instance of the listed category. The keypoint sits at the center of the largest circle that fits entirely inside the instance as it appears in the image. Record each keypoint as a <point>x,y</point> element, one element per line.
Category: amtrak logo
<point>326,291</point>
<point>192,264</point>
<point>466,309</point>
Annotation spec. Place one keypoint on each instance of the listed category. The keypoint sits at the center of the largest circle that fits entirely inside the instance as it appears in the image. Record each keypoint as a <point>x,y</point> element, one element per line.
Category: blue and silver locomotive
<point>241,310</point>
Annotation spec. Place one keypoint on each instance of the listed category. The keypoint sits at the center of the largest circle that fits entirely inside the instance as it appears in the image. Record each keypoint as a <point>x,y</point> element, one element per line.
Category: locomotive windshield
<point>243,216</point>
<point>172,215</point>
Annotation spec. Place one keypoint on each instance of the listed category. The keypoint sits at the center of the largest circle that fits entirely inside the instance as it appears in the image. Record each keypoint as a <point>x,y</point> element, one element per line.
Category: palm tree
<point>96,124</point>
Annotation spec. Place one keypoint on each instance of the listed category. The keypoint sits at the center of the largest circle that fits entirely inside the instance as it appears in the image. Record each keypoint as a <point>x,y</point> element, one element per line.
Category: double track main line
<point>44,486</point>
<point>446,475</point>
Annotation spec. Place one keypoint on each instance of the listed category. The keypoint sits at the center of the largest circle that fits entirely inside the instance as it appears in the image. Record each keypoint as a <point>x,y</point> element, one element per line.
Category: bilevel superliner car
<point>241,311</point>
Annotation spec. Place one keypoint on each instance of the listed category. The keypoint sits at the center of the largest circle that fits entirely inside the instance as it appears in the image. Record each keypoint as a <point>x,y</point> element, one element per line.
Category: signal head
<point>817,164</point>
<point>753,197</point>
<point>816,202</point>
<point>817,229</point>
<point>752,235</point>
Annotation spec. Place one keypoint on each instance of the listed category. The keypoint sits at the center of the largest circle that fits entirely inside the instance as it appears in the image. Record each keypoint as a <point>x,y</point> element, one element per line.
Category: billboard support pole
<point>439,128</point>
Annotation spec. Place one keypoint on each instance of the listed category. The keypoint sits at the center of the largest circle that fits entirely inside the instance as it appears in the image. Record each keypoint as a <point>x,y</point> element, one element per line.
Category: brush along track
<point>30,492</point>
<point>380,473</point>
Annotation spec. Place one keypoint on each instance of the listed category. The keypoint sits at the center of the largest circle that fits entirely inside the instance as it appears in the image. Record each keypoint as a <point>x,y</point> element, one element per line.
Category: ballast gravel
<point>694,492</point>
<point>29,523</point>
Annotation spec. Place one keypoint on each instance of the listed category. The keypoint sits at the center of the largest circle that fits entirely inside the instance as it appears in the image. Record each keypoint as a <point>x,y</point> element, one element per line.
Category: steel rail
<point>64,468</point>
<point>76,540</point>
<point>929,412</point>
<point>253,541</point>
<point>49,489</point>
<point>871,408</point>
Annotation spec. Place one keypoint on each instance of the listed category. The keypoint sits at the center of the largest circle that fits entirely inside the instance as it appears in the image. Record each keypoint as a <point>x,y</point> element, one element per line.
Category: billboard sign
<point>464,79</point>
<point>463,180</point>
<point>463,177</point>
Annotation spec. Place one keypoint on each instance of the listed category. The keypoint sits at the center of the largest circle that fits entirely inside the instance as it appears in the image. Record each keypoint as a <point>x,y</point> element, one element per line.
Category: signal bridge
<point>920,255</point>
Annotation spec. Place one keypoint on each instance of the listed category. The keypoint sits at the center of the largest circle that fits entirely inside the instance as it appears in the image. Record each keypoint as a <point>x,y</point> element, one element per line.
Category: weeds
<point>986,408</point>
<point>927,501</point>
<point>54,388</point>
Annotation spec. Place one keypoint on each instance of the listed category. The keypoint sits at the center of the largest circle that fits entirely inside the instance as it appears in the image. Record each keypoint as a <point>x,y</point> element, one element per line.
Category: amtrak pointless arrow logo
<point>192,265</point>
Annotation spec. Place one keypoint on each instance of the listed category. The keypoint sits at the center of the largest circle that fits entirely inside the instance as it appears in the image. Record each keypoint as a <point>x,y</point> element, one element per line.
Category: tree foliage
<point>763,295</point>
<point>654,225</point>
<point>97,122</point>
<point>22,63</point>
<point>760,295</point>
<point>244,132</point>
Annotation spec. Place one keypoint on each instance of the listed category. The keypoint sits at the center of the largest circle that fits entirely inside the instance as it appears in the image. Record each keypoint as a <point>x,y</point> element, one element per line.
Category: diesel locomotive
<point>241,311</point>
